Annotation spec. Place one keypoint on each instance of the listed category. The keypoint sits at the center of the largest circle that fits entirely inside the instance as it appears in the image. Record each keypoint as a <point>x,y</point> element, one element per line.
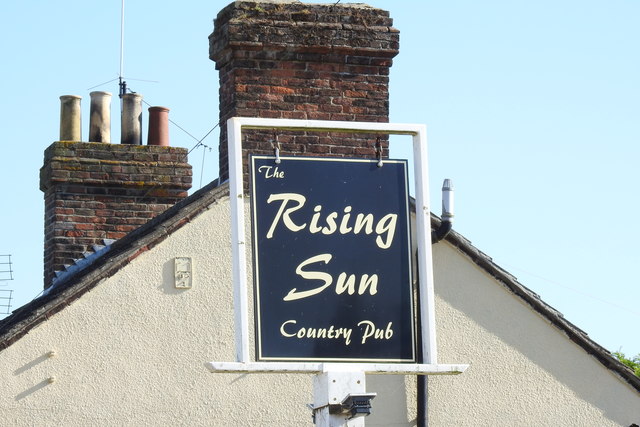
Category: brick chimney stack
<point>293,60</point>
<point>95,191</point>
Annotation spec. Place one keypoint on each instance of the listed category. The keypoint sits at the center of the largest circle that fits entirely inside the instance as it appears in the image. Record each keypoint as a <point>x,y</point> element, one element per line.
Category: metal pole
<point>122,41</point>
<point>239,246</point>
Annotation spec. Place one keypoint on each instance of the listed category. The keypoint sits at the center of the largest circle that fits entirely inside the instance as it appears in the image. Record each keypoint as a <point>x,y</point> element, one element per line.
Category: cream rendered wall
<point>524,371</point>
<point>132,352</point>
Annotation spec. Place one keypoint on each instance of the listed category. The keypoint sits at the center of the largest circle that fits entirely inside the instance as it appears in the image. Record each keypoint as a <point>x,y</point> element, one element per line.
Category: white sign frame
<point>235,126</point>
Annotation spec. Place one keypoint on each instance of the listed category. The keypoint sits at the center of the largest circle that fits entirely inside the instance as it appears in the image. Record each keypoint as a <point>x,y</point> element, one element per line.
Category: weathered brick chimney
<point>95,191</point>
<point>287,59</point>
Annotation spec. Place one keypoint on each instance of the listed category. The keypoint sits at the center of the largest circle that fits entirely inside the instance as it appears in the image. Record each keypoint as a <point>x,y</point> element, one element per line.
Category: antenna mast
<point>123,84</point>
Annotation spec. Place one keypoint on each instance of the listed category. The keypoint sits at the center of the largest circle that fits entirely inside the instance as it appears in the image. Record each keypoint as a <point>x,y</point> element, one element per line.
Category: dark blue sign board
<point>332,260</point>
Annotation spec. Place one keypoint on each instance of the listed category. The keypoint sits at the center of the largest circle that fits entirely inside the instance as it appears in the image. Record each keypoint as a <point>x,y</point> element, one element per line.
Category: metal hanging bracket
<point>275,144</point>
<point>378,148</point>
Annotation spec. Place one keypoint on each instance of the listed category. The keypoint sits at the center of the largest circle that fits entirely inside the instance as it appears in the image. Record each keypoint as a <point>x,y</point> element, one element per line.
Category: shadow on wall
<point>29,391</point>
<point>390,405</point>
<point>32,364</point>
<point>28,366</point>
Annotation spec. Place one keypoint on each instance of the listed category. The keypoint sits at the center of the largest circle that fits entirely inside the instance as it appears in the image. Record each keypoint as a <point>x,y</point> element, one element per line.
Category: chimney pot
<point>131,127</point>
<point>100,117</point>
<point>70,118</point>
<point>158,126</point>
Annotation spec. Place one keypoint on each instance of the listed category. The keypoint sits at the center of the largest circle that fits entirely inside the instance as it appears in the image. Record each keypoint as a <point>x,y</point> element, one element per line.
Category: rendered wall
<point>524,371</point>
<point>132,352</point>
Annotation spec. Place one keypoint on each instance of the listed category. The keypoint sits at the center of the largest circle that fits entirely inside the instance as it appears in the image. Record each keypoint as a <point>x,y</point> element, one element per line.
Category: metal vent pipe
<point>447,213</point>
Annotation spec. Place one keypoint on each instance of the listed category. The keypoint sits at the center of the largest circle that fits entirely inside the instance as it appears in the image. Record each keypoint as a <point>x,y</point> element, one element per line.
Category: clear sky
<point>532,110</point>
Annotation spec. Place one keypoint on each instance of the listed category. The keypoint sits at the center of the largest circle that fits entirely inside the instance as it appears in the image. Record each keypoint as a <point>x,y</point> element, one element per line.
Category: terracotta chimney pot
<point>158,126</point>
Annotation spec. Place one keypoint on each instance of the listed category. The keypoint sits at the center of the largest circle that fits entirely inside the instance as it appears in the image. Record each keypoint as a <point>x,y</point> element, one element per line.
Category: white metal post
<point>423,236</point>
<point>236,193</point>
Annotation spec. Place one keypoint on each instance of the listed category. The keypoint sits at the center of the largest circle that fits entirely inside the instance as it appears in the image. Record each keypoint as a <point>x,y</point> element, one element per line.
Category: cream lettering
<point>288,329</point>
<point>370,331</point>
<point>311,275</point>
<point>346,283</point>
<point>289,217</point>
<point>268,173</point>
<point>286,213</point>
<point>386,226</point>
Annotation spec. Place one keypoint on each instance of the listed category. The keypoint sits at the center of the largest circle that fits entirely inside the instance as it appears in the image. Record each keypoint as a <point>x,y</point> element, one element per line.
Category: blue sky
<point>532,109</point>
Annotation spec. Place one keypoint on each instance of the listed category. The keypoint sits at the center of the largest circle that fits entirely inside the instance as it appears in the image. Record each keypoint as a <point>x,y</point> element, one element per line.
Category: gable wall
<point>523,368</point>
<point>132,352</point>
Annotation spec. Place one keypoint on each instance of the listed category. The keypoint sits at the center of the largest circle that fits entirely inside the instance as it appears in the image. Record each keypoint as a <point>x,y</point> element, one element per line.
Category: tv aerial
<point>122,84</point>
<point>123,89</point>
<point>6,275</point>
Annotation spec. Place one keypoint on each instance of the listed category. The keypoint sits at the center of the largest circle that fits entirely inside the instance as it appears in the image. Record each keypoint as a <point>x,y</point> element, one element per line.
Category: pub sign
<point>332,260</point>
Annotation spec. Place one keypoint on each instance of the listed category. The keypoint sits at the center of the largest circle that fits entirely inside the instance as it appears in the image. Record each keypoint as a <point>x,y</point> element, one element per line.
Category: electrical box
<point>183,274</point>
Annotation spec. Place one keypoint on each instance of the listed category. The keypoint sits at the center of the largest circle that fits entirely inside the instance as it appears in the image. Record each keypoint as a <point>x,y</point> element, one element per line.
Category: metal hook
<point>379,152</point>
<point>276,147</point>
